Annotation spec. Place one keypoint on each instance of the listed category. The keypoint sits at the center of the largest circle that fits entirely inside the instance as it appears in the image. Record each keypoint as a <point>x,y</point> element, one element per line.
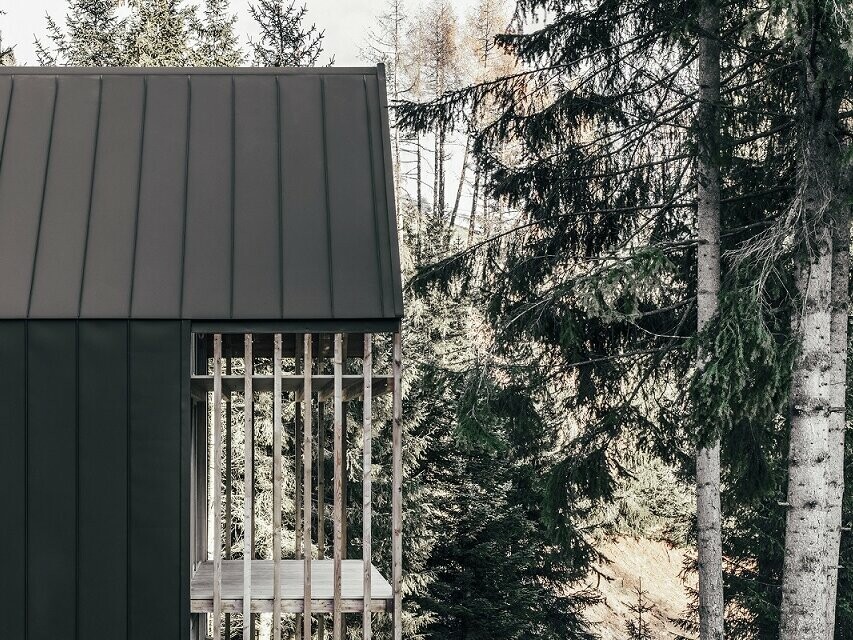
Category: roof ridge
<point>160,71</point>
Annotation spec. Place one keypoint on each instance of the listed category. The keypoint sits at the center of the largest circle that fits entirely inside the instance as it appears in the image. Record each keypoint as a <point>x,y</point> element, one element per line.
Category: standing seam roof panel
<point>207,261</point>
<point>160,227</point>
<point>247,194</point>
<point>257,292</point>
<point>22,179</point>
<point>351,201</point>
<point>304,236</point>
<point>56,283</point>
<point>108,270</point>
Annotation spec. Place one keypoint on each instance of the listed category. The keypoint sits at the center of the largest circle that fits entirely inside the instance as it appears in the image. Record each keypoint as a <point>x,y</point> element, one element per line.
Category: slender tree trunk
<point>838,393</point>
<point>708,517</point>
<point>436,177</point>
<point>454,212</point>
<point>419,171</point>
<point>472,220</point>
<point>440,173</point>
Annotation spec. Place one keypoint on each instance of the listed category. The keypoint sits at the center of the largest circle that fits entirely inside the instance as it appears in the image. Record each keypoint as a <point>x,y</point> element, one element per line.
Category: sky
<point>346,23</point>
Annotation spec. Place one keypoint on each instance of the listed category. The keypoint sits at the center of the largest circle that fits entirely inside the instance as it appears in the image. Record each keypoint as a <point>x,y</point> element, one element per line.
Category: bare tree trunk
<point>708,517</point>
<point>419,172</point>
<point>436,163</point>
<point>474,196</point>
<point>455,210</point>
<point>838,394</point>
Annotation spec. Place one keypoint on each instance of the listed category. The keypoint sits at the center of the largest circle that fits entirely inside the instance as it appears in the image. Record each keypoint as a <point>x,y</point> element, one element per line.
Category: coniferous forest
<point>625,228</point>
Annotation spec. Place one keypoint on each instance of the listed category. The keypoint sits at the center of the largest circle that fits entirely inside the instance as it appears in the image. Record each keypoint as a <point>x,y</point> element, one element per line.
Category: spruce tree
<point>93,36</point>
<point>594,139</point>
<point>159,33</point>
<point>216,42</point>
<point>285,40</point>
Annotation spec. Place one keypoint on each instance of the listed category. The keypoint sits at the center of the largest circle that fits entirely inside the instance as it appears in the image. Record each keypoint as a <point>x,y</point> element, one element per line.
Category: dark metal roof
<point>204,194</point>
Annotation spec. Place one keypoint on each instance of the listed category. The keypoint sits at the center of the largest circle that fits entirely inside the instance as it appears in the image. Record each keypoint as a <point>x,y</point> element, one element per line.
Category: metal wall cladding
<point>95,471</point>
<point>197,194</point>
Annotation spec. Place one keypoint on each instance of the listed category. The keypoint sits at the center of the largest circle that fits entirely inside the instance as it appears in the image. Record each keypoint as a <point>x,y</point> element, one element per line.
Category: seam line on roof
<point>186,193</point>
<point>91,194</point>
<point>390,190</point>
<point>280,200</point>
<point>378,251</point>
<point>43,191</point>
<point>138,195</point>
<point>6,124</point>
<point>233,191</point>
<point>328,205</point>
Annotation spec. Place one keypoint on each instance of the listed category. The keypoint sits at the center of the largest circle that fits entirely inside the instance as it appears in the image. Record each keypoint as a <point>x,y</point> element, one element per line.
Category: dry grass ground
<point>663,580</point>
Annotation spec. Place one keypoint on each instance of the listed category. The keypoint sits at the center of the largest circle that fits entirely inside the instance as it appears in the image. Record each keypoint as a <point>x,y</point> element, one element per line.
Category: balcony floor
<point>322,590</point>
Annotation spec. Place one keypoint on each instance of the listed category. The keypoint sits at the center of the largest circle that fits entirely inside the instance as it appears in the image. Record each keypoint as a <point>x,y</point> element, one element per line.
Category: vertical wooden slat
<point>297,455</point>
<point>276,490</point>
<point>228,475</point>
<point>248,512</point>
<point>321,499</point>
<point>216,503</point>
<point>337,631</point>
<point>306,487</point>
<point>321,479</point>
<point>397,489</point>
<point>367,482</point>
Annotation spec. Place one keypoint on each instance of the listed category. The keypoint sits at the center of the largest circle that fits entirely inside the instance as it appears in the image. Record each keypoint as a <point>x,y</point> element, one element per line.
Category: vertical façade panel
<point>102,495</point>
<point>13,431</point>
<point>156,549</point>
<point>51,480</point>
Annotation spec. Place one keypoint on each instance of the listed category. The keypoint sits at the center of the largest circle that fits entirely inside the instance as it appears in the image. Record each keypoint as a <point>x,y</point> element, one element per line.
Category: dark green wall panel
<point>13,431</point>
<point>155,479</point>
<point>102,496</point>
<point>52,480</point>
<point>95,471</point>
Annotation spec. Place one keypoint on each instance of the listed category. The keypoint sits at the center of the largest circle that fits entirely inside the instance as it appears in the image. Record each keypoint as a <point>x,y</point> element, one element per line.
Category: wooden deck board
<point>322,587</point>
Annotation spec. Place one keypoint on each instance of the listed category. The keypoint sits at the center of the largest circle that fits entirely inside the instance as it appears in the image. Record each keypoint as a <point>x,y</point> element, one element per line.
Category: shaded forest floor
<point>660,568</point>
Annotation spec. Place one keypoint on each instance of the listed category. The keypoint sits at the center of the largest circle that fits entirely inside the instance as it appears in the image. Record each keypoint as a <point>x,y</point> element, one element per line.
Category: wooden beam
<point>306,488</point>
<point>297,456</point>
<point>248,511</point>
<point>321,479</point>
<point>216,502</point>
<point>367,484</point>
<point>397,490</point>
<point>228,474</point>
<point>321,498</point>
<point>276,490</point>
<point>337,629</point>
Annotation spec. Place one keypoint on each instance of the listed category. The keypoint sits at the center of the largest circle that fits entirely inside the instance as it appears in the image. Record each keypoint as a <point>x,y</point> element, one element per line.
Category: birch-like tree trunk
<point>838,393</point>
<point>804,588</point>
<point>708,516</point>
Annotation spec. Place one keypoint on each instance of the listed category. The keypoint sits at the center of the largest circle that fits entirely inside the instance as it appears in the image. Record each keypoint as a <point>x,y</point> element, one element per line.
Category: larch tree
<point>438,46</point>
<point>285,40</point>
<point>385,44</point>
